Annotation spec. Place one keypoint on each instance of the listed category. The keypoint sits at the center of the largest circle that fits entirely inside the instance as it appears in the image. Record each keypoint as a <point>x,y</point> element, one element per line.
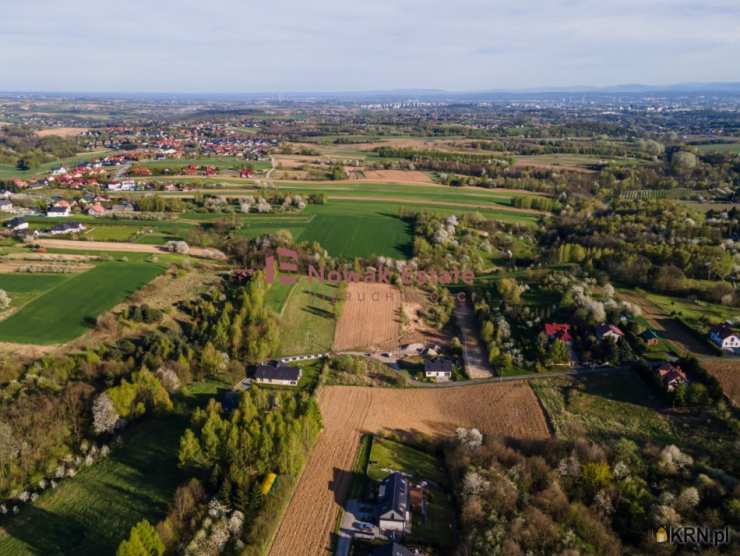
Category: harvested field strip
<point>406,200</point>
<point>509,409</point>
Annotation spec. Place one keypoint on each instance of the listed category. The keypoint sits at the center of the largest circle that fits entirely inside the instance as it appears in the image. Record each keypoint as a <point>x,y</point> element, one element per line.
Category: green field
<point>64,312</point>
<point>731,148</point>
<point>22,287</point>
<point>308,319</point>
<point>91,513</point>
<point>222,163</point>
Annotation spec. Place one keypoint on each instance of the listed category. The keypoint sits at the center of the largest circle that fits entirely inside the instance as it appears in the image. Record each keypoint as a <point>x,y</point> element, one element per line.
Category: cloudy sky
<point>344,45</point>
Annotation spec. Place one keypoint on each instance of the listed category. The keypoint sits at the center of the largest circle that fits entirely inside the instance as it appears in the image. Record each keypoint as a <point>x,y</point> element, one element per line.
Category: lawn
<point>388,454</point>
<point>92,512</point>
<point>308,319</point>
<point>110,233</point>
<point>64,312</point>
<point>9,171</point>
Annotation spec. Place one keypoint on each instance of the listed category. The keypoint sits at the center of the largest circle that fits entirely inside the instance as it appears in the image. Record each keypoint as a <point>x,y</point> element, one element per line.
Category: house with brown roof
<point>671,376</point>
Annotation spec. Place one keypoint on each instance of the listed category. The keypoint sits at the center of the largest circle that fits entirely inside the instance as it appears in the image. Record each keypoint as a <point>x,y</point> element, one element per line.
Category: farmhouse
<point>725,339</point>
<point>558,331</point>
<point>57,212</point>
<point>284,376</point>
<point>440,369</point>
<point>671,376</point>
<point>16,225</point>
<point>391,549</point>
<point>609,332</point>
<point>650,337</point>
<point>393,508</point>
<point>96,210</point>
<point>67,228</point>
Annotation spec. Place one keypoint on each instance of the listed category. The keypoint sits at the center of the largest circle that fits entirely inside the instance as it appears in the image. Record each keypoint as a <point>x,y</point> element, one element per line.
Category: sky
<point>363,45</point>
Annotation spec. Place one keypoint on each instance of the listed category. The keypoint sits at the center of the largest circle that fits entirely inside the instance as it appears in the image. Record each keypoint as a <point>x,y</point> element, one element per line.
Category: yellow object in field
<point>268,482</point>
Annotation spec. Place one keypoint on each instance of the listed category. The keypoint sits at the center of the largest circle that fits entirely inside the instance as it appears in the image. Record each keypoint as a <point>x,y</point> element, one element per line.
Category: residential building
<point>650,337</point>
<point>67,228</point>
<point>393,504</point>
<point>6,205</point>
<point>57,212</point>
<point>439,369</point>
<point>725,338</point>
<point>609,332</point>
<point>283,376</point>
<point>671,376</point>
<point>16,225</point>
<point>96,210</point>
<point>558,331</point>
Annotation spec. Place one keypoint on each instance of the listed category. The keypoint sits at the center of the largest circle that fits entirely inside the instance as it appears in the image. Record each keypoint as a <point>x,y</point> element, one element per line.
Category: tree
<point>683,161</point>
<point>143,541</point>
<point>4,300</point>
<point>105,416</point>
<point>558,352</point>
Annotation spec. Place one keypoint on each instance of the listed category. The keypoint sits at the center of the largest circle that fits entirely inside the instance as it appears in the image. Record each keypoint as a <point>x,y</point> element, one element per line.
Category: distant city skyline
<point>234,46</point>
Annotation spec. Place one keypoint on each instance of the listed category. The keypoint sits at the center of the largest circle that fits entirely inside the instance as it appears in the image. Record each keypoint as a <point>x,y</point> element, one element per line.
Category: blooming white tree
<point>105,416</point>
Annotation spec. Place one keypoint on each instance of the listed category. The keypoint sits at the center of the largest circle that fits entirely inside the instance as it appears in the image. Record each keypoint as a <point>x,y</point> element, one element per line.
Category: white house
<point>16,225</point>
<point>57,212</point>
<point>438,369</point>
<point>6,205</point>
<point>725,339</point>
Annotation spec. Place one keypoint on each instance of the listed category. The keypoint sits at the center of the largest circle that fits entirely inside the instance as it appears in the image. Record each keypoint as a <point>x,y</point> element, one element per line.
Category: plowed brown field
<point>496,409</point>
<point>370,317</point>
<point>727,371</point>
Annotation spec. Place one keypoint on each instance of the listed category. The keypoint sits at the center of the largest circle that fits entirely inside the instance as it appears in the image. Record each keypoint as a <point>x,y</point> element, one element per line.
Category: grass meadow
<point>91,513</point>
<point>308,319</point>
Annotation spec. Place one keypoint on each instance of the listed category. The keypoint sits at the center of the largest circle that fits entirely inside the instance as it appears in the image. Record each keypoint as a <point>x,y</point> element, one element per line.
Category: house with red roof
<point>558,331</point>
<point>609,332</point>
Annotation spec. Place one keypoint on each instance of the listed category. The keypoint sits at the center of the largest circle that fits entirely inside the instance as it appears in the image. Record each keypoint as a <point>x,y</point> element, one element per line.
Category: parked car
<point>362,526</point>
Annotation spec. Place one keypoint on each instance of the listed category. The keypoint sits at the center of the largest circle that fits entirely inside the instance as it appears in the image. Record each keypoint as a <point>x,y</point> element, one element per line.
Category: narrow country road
<point>474,357</point>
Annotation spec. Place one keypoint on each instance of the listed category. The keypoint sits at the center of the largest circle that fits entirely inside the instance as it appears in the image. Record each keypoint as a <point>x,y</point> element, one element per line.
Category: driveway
<point>351,515</point>
<point>474,356</point>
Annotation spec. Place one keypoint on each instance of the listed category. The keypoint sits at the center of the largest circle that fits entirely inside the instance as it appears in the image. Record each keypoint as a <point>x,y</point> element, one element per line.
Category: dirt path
<point>120,247</point>
<point>509,409</point>
<point>476,361</point>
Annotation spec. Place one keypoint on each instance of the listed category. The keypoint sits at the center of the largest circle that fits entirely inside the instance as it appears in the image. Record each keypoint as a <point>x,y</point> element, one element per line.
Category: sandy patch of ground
<point>120,246</point>
<point>416,329</point>
<point>370,317</point>
<point>474,355</point>
<point>61,131</point>
<point>509,409</point>
<point>397,176</point>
